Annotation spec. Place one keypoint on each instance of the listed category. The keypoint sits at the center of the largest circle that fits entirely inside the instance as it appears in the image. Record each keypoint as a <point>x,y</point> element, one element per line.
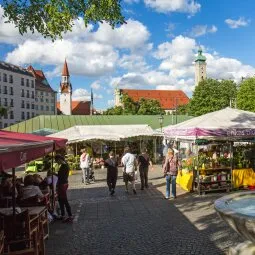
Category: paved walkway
<point>139,224</point>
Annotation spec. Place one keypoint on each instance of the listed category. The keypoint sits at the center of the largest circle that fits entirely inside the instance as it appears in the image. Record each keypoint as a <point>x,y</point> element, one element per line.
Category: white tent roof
<point>225,123</point>
<point>104,132</point>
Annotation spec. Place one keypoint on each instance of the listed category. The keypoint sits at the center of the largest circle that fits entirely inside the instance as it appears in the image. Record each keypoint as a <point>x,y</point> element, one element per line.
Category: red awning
<point>19,148</point>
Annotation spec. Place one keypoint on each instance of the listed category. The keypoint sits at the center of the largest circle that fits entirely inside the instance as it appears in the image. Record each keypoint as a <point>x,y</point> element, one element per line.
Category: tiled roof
<point>79,107</point>
<point>13,68</point>
<point>167,98</point>
<point>41,82</point>
<point>65,71</point>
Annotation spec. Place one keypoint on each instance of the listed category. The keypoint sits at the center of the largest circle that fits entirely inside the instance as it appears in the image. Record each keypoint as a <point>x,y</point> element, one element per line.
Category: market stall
<point>15,150</point>
<point>100,139</point>
<point>211,137</point>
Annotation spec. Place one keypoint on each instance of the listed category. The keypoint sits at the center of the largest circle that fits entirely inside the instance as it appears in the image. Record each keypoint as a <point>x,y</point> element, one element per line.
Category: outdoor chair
<point>21,233</point>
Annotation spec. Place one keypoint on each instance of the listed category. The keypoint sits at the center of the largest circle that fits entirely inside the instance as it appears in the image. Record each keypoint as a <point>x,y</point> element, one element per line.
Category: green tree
<point>129,105</point>
<point>149,107</point>
<point>3,111</point>
<point>117,110</point>
<point>52,18</point>
<point>246,95</point>
<point>211,95</point>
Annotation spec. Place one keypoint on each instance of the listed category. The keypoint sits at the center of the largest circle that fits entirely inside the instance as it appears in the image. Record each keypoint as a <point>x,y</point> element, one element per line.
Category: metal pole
<point>52,179</point>
<point>13,192</point>
<point>176,102</point>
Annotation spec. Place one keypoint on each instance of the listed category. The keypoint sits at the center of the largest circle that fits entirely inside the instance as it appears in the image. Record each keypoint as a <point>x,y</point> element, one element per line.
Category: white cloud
<point>164,6</point>
<point>83,58</point>
<point>133,35</point>
<point>200,30</point>
<point>83,95</point>
<point>241,22</point>
<point>133,63</point>
<point>95,85</point>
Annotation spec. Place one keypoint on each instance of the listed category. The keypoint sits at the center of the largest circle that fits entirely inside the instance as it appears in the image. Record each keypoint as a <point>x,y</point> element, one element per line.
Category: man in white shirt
<point>129,163</point>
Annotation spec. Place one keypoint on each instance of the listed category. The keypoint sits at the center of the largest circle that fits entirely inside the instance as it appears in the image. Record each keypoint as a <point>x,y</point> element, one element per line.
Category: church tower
<point>65,92</point>
<point>200,67</point>
<point>117,97</point>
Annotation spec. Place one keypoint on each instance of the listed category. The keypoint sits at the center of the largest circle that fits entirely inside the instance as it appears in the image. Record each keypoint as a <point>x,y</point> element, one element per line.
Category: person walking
<point>62,186</point>
<point>112,172</point>
<point>143,164</point>
<point>170,169</point>
<point>84,165</point>
<point>129,163</point>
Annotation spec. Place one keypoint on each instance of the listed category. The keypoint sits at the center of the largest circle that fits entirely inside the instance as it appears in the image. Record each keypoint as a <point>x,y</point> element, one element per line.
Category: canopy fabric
<point>104,132</point>
<point>228,123</point>
<point>19,148</point>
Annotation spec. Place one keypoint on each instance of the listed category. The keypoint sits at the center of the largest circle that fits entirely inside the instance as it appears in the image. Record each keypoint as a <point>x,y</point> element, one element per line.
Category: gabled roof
<point>167,98</point>
<point>41,82</point>
<point>79,107</point>
<point>65,71</point>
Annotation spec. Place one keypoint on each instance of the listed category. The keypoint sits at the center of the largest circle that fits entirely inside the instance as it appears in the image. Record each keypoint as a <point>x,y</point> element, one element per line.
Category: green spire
<point>200,57</point>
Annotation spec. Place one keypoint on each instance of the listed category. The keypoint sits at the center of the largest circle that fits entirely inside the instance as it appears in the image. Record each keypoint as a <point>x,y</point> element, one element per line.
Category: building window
<point>22,93</point>
<point>47,94</point>
<point>33,94</point>
<point>22,115</point>
<point>28,115</point>
<point>41,99</point>
<point>41,93</point>
<point>12,104</point>
<point>5,90</point>
<point>27,83</point>
<point>0,77</point>
<point>22,81</point>
<point>33,114</point>
<point>32,106</point>
<point>5,125</point>
<point>10,78</point>
<point>0,89</point>
<point>36,93</point>
<point>11,115</point>
<point>28,96</point>
<point>36,107</point>
<point>11,90</point>
<point>47,100</point>
<point>32,84</point>
<point>52,108</point>
<point>22,104</point>
<point>5,102</point>
<point>5,77</point>
<point>6,116</point>
<point>28,106</point>
<point>47,108</point>
<point>42,108</point>
<point>36,99</point>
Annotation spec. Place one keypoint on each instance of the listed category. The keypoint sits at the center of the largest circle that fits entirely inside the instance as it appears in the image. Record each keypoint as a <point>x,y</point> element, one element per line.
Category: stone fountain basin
<point>238,210</point>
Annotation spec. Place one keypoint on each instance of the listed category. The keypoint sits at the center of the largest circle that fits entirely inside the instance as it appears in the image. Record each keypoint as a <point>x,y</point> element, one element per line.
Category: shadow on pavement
<point>138,224</point>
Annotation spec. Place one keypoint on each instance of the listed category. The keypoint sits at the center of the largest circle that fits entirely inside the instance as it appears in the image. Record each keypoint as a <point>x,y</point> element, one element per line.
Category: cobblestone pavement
<point>139,224</point>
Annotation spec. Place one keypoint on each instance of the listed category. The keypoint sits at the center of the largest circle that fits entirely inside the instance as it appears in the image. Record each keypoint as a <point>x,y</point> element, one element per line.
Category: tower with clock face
<point>200,67</point>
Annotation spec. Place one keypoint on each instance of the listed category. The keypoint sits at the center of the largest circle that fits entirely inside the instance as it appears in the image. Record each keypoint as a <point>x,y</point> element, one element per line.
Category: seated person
<point>7,188</point>
<point>41,183</point>
<point>30,190</point>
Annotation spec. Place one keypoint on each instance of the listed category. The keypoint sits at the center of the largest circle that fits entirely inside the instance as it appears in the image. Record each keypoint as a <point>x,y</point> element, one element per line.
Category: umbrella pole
<point>115,148</point>
<point>76,149</point>
<point>13,193</point>
<point>52,179</point>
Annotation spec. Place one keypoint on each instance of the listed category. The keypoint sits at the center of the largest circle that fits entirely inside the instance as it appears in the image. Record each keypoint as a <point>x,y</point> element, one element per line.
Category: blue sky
<point>154,50</point>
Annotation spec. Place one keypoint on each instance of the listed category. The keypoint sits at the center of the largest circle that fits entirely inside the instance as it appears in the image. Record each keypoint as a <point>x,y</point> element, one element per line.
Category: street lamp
<point>160,119</point>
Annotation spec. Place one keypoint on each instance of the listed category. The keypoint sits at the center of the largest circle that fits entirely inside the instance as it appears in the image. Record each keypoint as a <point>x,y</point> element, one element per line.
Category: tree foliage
<point>53,18</point>
<point>246,95</point>
<point>211,95</point>
<point>130,107</point>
